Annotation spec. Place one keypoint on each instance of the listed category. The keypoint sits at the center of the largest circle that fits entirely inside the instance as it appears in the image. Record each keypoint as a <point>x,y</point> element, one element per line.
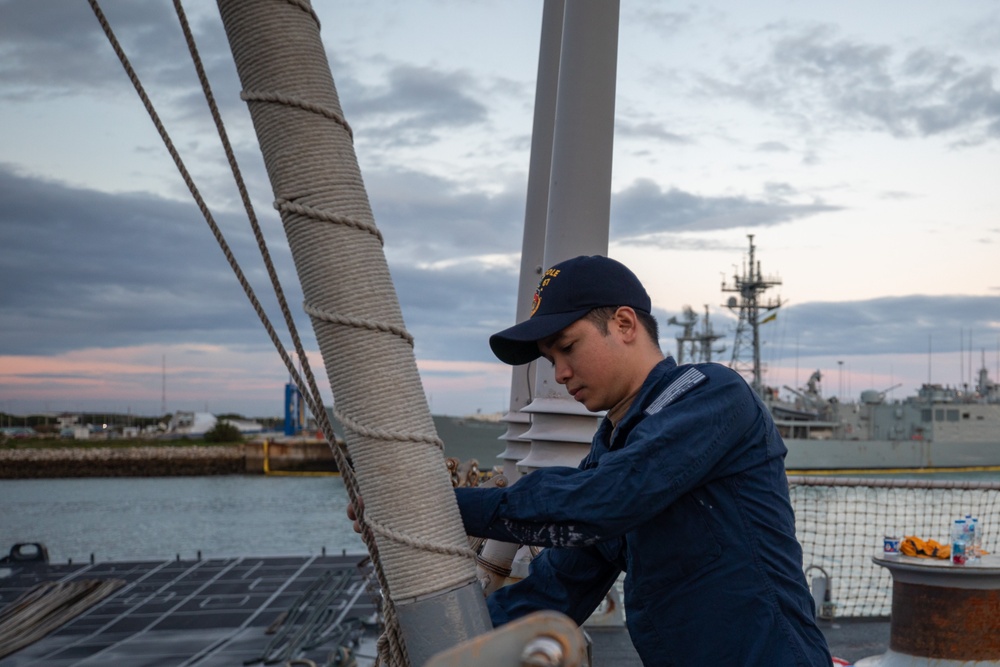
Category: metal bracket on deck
<point>822,592</point>
<point>542,639</point>
<point>27,552</point>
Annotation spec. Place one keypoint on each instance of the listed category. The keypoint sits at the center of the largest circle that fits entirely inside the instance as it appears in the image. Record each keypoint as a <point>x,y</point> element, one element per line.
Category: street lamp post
<point>840,380</point>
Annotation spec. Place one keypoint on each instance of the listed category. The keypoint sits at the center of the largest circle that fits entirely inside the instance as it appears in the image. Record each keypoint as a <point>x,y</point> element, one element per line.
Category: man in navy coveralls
<point>684,490</point>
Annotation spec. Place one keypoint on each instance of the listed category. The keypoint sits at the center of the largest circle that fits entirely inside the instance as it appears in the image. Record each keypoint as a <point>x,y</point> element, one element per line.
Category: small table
<point>943,615</point>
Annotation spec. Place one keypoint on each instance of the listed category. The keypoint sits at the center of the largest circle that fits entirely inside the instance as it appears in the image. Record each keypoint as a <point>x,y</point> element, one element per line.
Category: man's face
<point>588,362</point>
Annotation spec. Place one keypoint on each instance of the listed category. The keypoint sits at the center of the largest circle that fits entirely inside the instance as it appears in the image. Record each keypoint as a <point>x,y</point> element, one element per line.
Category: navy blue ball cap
<point>567,292</point>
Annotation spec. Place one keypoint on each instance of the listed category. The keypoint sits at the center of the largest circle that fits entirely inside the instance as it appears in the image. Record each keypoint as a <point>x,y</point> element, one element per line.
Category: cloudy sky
<point>859,143</point>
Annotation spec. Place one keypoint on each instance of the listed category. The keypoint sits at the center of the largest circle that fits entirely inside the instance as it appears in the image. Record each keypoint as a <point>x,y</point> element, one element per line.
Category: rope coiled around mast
<point>308,149</point>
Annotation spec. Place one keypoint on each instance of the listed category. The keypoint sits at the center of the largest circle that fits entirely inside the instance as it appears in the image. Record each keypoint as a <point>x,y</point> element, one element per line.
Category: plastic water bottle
<point>958,542</point>
<point>972,525</point>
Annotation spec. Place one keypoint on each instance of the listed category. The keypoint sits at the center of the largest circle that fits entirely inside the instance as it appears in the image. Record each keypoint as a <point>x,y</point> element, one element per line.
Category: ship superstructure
<point>939,427</point>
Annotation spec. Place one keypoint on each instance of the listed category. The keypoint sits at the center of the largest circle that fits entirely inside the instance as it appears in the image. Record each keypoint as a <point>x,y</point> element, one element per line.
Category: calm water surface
<point>157,518</point>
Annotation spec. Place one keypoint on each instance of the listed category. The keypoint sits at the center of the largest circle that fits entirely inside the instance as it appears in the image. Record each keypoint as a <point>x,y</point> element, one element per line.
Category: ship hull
<point>836,455</point>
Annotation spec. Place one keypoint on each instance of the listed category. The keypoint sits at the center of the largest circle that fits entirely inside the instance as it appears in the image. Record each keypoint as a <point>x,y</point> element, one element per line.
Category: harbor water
<point>119,518</point>
<point>157,518</point>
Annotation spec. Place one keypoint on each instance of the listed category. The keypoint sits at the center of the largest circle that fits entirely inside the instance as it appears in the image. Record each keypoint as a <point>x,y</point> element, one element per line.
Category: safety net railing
<point>841,523</point>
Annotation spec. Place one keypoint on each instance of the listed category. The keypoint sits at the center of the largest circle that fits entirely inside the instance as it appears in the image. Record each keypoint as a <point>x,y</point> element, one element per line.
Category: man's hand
<point>353,516</point>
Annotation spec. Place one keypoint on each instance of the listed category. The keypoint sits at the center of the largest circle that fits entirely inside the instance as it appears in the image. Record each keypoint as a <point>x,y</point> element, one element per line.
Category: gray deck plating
<point>216,612</point>
<point>206,613</point>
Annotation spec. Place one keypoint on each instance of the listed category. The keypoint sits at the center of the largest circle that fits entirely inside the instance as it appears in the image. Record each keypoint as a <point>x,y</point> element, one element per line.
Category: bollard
<point>942,614</point>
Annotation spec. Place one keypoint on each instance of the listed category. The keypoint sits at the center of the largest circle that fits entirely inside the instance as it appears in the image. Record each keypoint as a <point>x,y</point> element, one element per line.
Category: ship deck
<point>254,611</point>
<point>209,612</point>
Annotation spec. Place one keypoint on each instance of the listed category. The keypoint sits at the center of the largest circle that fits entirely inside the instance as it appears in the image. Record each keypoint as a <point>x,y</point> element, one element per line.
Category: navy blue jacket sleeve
<point>573,581</point>
<point>697,437</point>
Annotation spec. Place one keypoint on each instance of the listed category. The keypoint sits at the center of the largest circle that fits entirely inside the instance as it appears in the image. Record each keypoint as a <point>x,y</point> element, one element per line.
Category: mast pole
<point>753,313</point>
<point>426,568</point>
<point>536,209</point>
<point>579,204</point>
<point>749,286</point>
<point>497,558</point>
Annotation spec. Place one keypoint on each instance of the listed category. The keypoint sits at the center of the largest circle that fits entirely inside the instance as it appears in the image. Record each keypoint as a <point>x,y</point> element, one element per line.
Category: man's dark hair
<point>601,316</point>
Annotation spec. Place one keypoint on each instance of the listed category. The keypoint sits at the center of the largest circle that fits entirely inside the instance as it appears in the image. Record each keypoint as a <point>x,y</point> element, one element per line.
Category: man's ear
<point>626,323</point>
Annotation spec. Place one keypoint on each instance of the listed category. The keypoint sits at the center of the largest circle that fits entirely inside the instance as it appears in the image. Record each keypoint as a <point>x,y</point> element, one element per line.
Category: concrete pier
<point>296,455</point>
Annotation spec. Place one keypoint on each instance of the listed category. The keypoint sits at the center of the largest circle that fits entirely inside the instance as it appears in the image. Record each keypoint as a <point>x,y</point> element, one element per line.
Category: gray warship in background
<point>939,429</point>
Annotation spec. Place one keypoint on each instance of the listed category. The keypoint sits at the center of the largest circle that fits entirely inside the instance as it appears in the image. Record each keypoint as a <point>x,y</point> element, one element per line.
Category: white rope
<point>404,538</point>
<point>357,323</point>
<point>380,434</point>
<point>292,101</point>
<point>48,606</point>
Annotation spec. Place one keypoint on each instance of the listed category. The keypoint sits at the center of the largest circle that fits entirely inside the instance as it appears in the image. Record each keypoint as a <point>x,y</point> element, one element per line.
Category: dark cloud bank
<point>86,269</point>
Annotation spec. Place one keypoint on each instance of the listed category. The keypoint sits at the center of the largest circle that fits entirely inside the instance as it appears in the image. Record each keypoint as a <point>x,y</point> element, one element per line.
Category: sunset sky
<point>857,142</point>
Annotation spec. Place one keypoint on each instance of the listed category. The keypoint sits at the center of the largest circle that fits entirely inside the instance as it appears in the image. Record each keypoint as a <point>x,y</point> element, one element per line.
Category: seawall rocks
<point>96,461</point>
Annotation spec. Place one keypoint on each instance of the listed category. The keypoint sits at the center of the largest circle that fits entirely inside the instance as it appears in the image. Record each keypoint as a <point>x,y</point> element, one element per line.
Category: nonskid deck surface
<point>849,639</point>
<point>206,612</point>
<point>217,612</point>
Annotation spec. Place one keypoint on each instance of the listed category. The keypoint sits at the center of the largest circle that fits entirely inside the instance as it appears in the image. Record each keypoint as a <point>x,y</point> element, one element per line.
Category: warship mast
<point>695,347</point>
<point>750,285</point>
<point>686,339</point>
<point>707,338</point>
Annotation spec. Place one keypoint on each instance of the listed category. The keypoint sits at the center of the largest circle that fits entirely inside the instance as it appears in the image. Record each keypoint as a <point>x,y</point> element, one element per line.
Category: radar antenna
<point>746,348</point>
<point>695,346</point>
